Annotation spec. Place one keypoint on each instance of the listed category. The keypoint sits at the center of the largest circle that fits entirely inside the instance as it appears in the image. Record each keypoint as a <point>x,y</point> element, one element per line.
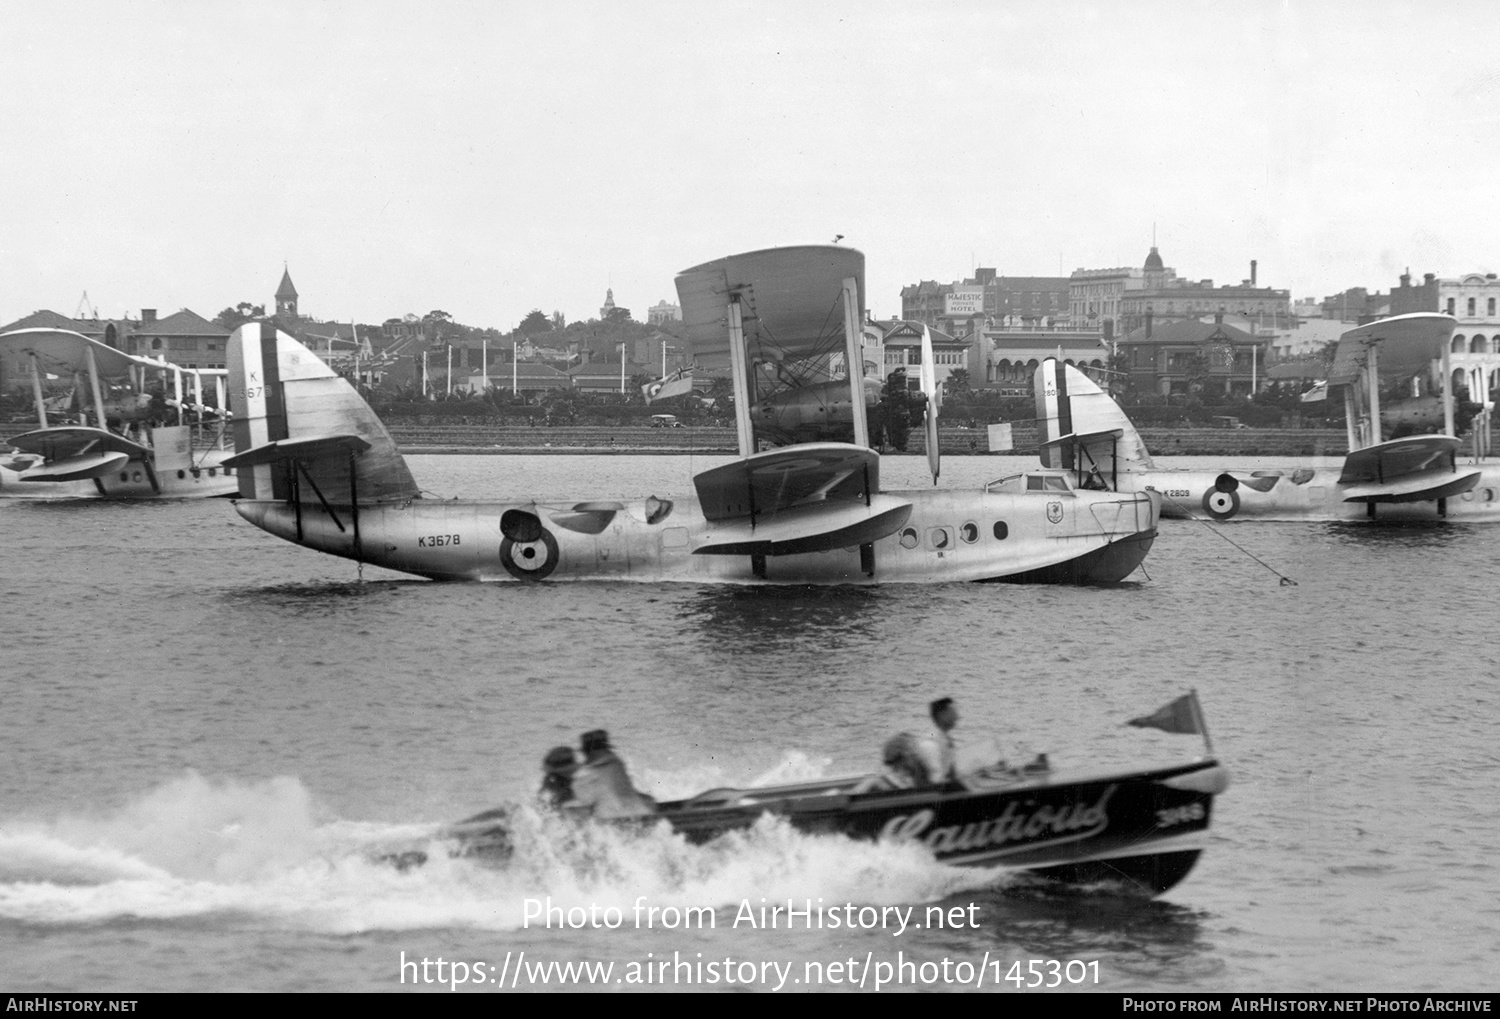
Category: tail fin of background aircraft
<point>301,431</point>
<point>1076,418</point>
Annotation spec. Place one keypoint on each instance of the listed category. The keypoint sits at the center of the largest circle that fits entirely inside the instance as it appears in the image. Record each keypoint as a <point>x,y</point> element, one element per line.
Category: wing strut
<point>739,371</point>
<point>36,390</point>
<point>854,361</point>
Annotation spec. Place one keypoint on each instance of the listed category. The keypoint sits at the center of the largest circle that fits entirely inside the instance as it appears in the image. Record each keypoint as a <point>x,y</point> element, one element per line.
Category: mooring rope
<point>1285,580</point>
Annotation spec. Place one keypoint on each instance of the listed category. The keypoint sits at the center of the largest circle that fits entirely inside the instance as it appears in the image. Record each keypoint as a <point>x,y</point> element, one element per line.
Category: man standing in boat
<point>602,786</point>
<point>938,751</point>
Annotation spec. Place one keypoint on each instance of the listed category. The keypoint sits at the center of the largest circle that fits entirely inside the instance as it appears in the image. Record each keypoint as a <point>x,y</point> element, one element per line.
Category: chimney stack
<point>1252,272</point>
<point>148,315</point>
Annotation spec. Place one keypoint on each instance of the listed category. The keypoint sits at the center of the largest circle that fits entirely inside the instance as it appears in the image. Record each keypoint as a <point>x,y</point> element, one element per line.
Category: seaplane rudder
<point>302,432</point>
<point>1069,403</point>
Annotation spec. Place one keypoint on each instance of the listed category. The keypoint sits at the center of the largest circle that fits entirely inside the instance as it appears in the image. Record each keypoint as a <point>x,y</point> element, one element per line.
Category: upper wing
<point>62,350</point>
<point>1405,345</point>
<point>790,298</point>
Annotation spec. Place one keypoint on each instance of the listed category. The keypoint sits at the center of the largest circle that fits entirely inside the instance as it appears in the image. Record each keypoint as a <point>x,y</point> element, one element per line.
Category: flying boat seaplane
<point>113,449</point>
<point>1412,477</point>
<point>319,469</point>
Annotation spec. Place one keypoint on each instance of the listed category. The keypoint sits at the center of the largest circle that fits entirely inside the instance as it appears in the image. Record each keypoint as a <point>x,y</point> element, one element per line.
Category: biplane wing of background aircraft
<point>112,450</point>
<point>1415,476</point>
<point>319,469</point>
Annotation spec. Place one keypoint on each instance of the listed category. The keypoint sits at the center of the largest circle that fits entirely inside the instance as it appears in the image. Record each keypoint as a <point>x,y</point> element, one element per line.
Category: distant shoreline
<point>479,440</point>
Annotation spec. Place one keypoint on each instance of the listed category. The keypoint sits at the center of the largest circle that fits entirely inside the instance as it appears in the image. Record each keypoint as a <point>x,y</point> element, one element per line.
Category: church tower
<point>609,303</point>
<point>286,297</point>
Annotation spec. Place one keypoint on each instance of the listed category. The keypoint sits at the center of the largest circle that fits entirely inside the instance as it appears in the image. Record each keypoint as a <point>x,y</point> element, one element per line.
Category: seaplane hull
<point>1472,494</point>
<point>1080,537</point>
<point>1139,832</point>
<point>169,470</point>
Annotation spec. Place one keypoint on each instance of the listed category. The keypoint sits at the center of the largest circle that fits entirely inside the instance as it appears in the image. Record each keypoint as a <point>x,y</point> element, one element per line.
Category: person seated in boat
<point>601,786</point>
<point>937,747</point>
<point>557,776</point>
<point>903,767</point>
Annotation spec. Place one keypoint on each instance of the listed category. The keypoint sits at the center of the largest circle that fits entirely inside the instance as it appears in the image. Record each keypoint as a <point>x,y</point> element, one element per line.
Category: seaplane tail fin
<point>301,431</point>
<point>1075,418</point>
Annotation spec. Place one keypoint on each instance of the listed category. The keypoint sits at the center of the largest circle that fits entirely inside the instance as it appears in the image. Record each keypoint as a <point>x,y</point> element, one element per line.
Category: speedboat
<point>1139,830</point>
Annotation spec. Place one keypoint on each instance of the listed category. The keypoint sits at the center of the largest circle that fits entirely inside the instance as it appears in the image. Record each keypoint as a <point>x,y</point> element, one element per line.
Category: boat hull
<point>1139,833</point>
<point>1140,830</point>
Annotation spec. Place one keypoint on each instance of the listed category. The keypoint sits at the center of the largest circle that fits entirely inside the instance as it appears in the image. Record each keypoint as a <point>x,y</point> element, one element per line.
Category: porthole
<point>124,476</point>
<point>1489,495</point>
<point>909,538</point>
<point>212,472</point>
<point>968,533</point>
<point>940,538</point>
<point>135,476</point>
<point>1001,531</point>
<point>181,474</point>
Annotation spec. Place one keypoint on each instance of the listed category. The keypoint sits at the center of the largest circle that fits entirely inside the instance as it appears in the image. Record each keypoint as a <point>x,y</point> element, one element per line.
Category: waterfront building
<point>1187,355</point>
<point>184,338</point>
<point>1007,356</point>
<point>663,311</point>
<point>1028,300</point>
<point>527,378</point>
<point>1096,297</point>
<point>901,347</point>
<point>607,376</point>
<point>1165,298</point>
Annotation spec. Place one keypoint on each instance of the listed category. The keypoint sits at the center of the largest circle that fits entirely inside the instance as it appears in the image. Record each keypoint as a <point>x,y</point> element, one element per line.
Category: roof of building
<point>182,323</point>
<point>1188,331</point>
<point>1153,260</point>
<point>45,319</point>
<point>606,369</point>
<point>531,370</point>
<point>286,290</point>
<point>900,329</point>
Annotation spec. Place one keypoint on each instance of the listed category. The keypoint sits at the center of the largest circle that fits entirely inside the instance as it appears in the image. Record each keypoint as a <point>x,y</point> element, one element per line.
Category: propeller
<point>934,394</point>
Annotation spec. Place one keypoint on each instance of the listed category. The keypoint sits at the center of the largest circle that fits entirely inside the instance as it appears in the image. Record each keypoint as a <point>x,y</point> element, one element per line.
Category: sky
<point>489,158</point>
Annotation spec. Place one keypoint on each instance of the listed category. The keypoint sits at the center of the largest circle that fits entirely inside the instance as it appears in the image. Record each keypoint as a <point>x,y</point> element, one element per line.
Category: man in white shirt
<point>938,746</point>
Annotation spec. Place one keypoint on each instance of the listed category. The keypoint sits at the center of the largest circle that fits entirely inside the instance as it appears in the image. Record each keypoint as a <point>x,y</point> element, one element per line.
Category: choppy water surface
<point>207,733</point>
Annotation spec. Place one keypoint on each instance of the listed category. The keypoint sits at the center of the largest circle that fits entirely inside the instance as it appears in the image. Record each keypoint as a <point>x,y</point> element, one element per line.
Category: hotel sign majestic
<point>963,301</point>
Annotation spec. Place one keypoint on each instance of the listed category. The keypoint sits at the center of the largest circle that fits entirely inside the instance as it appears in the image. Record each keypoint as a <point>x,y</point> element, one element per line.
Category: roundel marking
<point>530,560</point>
<point>1221,505</point>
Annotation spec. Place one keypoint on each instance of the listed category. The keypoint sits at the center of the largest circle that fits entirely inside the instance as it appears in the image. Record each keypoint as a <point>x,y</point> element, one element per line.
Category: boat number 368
<point>1178,815</point>
<point>437,540</point>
